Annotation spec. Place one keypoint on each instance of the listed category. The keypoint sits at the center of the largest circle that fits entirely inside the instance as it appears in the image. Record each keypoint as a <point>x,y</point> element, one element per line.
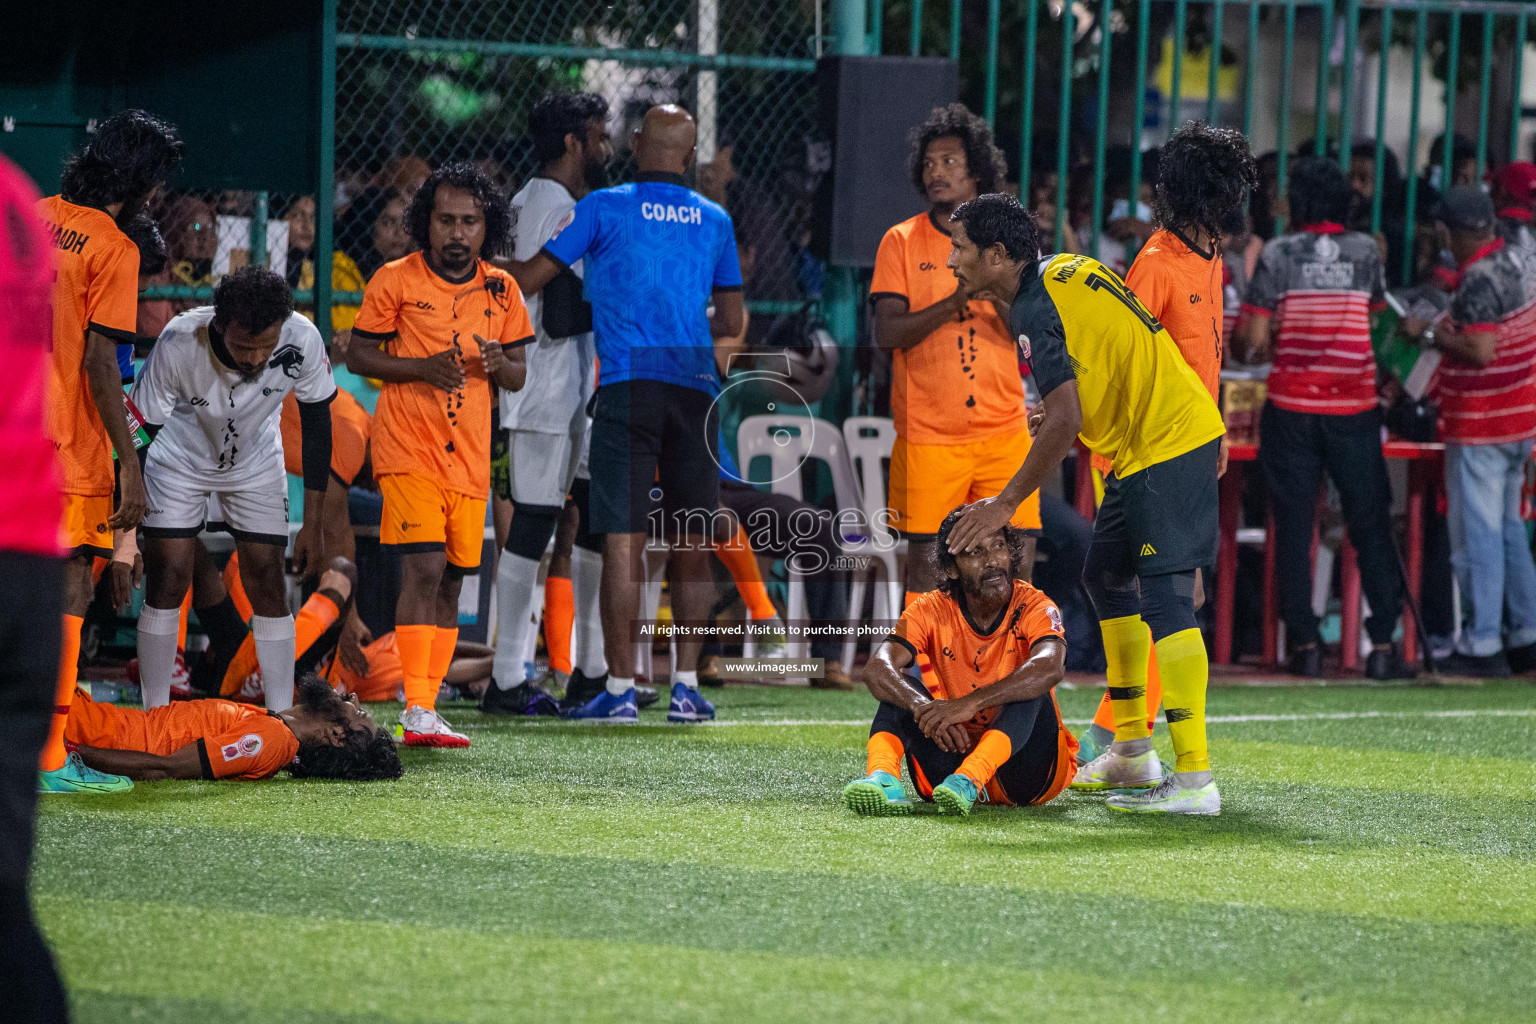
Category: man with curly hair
<point>991,731</point>
<point>1203,182</point>
<point>95,309</point>
<point>211,396</point>
<point>439,327</point>
<point>956,394</point>
<point>321,737</point>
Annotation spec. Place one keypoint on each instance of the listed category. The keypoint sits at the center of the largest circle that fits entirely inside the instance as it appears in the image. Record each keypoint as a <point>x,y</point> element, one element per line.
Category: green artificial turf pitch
<point>1373,862</point>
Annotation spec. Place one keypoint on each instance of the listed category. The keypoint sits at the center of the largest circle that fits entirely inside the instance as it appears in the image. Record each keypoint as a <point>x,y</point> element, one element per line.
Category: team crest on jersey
<point>1054,615</point>
<point>1325,249</point>
<point>497,289</point>
<point>248,745</point>
<point>288,359</point>
<point>1024,345</point>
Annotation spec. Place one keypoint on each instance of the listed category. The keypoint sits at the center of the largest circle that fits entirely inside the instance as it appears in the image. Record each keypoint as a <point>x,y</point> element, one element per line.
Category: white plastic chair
<point>870,441</point>
<point>788,442</point>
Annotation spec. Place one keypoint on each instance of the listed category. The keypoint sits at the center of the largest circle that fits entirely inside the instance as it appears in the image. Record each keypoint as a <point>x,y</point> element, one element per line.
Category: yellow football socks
<point>1186,671</point>
<point>1104,717</point>
<point>1127,647</point>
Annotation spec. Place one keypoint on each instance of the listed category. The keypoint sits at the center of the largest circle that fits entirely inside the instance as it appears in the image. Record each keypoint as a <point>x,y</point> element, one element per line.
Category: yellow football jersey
<point>1074,319</point>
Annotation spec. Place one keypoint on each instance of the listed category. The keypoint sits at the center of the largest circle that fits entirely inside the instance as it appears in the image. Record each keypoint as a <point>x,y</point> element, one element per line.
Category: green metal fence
<point>1293,74</point>
<point>1080,94</point>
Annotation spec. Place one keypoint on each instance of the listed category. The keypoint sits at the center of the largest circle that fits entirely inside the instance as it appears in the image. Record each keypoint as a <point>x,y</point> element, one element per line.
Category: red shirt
<point>29,482</point>
<point>1322,283</point>
<point>1493,404</point>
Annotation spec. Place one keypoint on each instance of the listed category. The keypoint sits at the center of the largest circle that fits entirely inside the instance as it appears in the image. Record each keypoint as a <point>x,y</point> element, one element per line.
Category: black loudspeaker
<point>868,105</point>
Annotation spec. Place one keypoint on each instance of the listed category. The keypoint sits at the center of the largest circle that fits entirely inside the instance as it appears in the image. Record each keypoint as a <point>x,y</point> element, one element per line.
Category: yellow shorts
<point>422,515</point>
<point>84,523</point>
<point>928,481</point>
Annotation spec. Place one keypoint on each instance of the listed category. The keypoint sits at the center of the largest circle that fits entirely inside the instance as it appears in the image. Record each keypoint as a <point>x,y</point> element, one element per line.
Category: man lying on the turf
<point>320,736</point>
<point>991,731</point>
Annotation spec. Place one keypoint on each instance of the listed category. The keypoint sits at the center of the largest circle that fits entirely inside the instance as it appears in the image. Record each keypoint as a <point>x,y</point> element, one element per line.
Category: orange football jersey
<point>961,383</point>
<point>234,741</point>
<point>963,656</point>
<point>417,428</point>
<point>350,427</point>
<point>96,289</point>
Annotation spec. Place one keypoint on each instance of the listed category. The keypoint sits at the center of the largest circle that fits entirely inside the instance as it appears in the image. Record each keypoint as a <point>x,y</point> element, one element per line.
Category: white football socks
<point>619,687</point>
<point>157,654</point>
<point>516,581</point>
<point>587,619</point>
<point>274,653</point>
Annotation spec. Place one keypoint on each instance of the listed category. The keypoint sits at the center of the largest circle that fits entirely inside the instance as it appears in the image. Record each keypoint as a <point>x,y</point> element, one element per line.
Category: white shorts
<point>180,506</point>
<point>541,467</point>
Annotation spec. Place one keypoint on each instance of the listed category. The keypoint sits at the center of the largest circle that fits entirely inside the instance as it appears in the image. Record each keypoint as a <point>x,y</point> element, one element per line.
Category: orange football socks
<point>739,558</point>
<point>64,694</point>
<point>443,643</point>
<point>414,643</point>
<point>559,617</point>
<point>885,754</point>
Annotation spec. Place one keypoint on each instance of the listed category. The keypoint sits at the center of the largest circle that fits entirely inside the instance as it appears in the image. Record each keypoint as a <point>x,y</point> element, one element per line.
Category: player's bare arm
<point>729,319</point>
<point>105,381</point>
<point>142,767</point>
<point>896,328</point>
<point>1044,669</point>
<point>506,365</point>
<point>534,273</point>
<point>887,683</point>
<point>1475,347</point>
<point>1061,417</point>
<point>441,370</point>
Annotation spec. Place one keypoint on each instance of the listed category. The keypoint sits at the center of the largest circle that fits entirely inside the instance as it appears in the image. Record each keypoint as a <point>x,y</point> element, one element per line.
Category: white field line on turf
<point>1339,716</point>
<point>1210,719</point>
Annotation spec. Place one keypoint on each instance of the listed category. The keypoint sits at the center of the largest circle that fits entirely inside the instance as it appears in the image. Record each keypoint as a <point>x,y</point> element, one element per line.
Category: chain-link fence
<point>420,83</point>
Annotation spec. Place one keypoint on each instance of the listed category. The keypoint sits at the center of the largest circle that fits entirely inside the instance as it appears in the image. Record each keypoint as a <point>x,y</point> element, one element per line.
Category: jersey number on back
<point>1100,283</point>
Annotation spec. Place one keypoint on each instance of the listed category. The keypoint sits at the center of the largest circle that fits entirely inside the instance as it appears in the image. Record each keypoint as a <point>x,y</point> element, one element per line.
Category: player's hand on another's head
<point>979,521</point>
<point>442,371</point>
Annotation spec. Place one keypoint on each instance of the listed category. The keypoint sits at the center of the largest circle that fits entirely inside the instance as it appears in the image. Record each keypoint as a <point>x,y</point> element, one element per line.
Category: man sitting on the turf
<point>320,736</point>
<point>992,730</point>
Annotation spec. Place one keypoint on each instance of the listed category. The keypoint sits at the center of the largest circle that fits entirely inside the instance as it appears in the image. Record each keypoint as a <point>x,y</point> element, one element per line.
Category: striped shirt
<point>1322,283</point>
<point>1493,404</point>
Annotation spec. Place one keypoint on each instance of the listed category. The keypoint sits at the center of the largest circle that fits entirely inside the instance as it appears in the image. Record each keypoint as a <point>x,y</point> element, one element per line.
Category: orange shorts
<point>84,523</point>
<point>384,679</point>
<point>929,480</point>
<point>422,515</point>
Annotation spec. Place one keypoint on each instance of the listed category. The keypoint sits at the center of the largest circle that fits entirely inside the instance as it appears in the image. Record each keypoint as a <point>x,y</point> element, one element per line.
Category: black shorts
<point>1161,519</point>
<point>653,445</point>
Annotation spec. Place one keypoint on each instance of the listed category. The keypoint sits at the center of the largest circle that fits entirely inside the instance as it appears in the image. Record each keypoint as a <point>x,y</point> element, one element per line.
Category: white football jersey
<point>560,377</point>
<point>220,429</point>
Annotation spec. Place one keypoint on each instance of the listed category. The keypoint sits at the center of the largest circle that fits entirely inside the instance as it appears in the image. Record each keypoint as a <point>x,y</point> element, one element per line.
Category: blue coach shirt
<point>652,252</point>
